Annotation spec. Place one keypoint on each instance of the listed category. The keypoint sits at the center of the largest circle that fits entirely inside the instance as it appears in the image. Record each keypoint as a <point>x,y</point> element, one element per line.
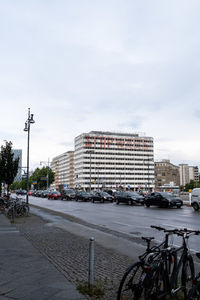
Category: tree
<point>40,174</point>
<point>8,165</point>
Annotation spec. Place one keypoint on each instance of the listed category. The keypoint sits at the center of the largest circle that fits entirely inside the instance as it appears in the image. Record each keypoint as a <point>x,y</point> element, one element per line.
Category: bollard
<point>91,264</point>
<point>12,213</point>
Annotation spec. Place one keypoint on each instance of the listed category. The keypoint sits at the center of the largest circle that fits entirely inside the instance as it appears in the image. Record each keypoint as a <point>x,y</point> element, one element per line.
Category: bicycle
<point>169,284</point>
<point>137,282</point>
<point>194,292</point>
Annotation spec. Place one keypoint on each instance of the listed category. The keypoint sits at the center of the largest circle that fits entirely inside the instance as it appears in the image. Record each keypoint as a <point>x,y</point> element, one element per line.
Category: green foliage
<point>36,176</point>
<point>18,185</point>
<point>96,292</point>
<point>193,184</point>
<point>42,173</point>
<point>8,165</point>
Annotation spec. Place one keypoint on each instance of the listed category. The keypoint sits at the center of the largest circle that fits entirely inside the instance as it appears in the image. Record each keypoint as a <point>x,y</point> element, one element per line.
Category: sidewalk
<point>25,273</point>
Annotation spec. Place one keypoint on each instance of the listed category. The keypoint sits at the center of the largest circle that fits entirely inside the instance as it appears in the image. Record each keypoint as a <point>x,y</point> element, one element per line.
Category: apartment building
<point>113,160</point>
<point>63,166</point>
<point>188,173</point>
<point>166,174</point>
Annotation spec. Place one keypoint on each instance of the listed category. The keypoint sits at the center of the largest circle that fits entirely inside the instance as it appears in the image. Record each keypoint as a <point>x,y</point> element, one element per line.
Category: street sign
<point>34,182</point>
<point>43,178</point>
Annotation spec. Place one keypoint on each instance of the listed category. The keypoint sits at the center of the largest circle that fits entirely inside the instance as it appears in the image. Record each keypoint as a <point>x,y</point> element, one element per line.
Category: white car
<point>195,198</point>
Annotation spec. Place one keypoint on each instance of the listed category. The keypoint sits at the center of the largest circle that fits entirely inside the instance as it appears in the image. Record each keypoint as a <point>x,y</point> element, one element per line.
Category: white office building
<point>63,167</point>
<point>113,160</point>
<point>188,173</point>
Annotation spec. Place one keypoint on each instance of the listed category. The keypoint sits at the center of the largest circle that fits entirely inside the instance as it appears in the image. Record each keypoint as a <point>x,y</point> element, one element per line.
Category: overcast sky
<point>114,65</point>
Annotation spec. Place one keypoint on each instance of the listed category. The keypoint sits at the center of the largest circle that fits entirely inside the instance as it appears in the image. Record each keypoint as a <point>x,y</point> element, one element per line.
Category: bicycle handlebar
<point>157,227</point>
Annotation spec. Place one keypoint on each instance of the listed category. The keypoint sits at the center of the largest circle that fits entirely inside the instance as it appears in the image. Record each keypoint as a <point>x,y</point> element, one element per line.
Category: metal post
<point>27,128</point>
<point>91,263</point>
<point>27,175</point>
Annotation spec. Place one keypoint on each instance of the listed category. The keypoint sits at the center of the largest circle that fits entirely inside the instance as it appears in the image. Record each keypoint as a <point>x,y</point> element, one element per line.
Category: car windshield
<point>84,193</point>
<point>167,195</point>
<point>133,194</point>
<point>70,192</point>
<point>104,194</point>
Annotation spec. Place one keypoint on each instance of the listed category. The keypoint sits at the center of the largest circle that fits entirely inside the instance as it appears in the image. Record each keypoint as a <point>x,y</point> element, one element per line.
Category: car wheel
<point>195,206</point>
<point>147,204</point>
<point>92,200</point>
<point>117,202</point>
<point>178,206</point>
<point>102,201</point>
<point>130,202</point>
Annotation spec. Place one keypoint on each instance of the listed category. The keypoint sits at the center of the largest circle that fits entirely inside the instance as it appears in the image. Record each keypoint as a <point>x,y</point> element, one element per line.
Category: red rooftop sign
<point>109,142</point>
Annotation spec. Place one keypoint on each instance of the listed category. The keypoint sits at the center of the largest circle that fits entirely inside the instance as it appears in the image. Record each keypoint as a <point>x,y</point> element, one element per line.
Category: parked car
<point>44,194</point>
<point>54,195</point>
<point>20,192</point>
<point>68,194</point>
<point>195,198</point>
<point>163,199</point>
<point>129,198</point>
<point>101,196</point>
<point>83,196</point>
<point>38,193</point>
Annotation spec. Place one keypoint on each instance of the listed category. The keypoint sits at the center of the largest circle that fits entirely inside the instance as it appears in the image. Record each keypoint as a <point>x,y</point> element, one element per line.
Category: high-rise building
<point>188,173</point>
<point>111,160</point>
<point>63,166</point>
<point>18,154</point>
<point>166,174</point>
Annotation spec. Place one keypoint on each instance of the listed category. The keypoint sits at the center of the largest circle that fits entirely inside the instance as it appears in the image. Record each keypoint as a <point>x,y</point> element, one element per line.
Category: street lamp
<point>46,163</point>
<point>90,152</point>
<point>28,122</point>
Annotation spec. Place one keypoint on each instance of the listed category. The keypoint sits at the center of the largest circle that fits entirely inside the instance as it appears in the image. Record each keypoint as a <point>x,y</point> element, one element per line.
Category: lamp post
<point>90,152</point>
<point>46,163</point>
<point>28,122</point>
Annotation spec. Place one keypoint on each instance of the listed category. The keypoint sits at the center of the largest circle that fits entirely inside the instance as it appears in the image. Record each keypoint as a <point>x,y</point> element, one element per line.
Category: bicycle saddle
<point>148,239</point>
<point>198,254</point>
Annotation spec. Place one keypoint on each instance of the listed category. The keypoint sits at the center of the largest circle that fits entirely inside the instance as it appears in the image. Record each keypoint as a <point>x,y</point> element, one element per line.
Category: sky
<point>131,66</point>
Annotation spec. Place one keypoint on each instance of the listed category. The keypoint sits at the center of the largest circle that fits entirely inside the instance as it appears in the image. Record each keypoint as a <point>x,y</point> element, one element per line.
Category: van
<point>195,198</point>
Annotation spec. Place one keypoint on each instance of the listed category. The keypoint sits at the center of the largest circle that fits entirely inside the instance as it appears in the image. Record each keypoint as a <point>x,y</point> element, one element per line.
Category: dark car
<point>83,196</point>
<point>54,195</point>
<point>129,198</point>
<point>163,199</point>
<point>102,196</point>
<point>68,194</point>
<point>20,192</point>
<point>44,194</point>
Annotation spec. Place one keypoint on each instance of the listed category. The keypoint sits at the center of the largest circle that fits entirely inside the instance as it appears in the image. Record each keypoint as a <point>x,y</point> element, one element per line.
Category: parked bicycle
<point>194,293</point>
<point>17,208</point>
<point>137,282</point>
<point>161,271</point>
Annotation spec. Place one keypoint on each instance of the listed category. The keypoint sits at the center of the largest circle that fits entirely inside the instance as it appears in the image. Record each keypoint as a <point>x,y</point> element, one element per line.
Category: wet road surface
<point>132,220</point>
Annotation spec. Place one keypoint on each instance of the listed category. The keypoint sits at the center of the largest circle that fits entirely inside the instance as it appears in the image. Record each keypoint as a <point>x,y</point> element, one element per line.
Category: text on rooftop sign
<point>108,142</point>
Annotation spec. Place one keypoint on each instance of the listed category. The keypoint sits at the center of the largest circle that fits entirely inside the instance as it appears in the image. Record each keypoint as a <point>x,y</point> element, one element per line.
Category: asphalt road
<point>132,220</point>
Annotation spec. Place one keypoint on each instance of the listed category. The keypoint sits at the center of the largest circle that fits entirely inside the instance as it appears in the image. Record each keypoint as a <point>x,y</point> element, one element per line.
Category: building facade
<point>166,174</point>
<point>63,167</point>
<point>113,160</point>
<point>188,173</point>
<point>18,154</point>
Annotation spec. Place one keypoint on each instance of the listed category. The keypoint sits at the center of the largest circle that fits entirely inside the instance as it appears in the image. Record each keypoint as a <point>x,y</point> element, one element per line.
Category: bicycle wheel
<point>130,287</point>
<point>134,284</point>
<point>194,293</point>
<point>187,275</point>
